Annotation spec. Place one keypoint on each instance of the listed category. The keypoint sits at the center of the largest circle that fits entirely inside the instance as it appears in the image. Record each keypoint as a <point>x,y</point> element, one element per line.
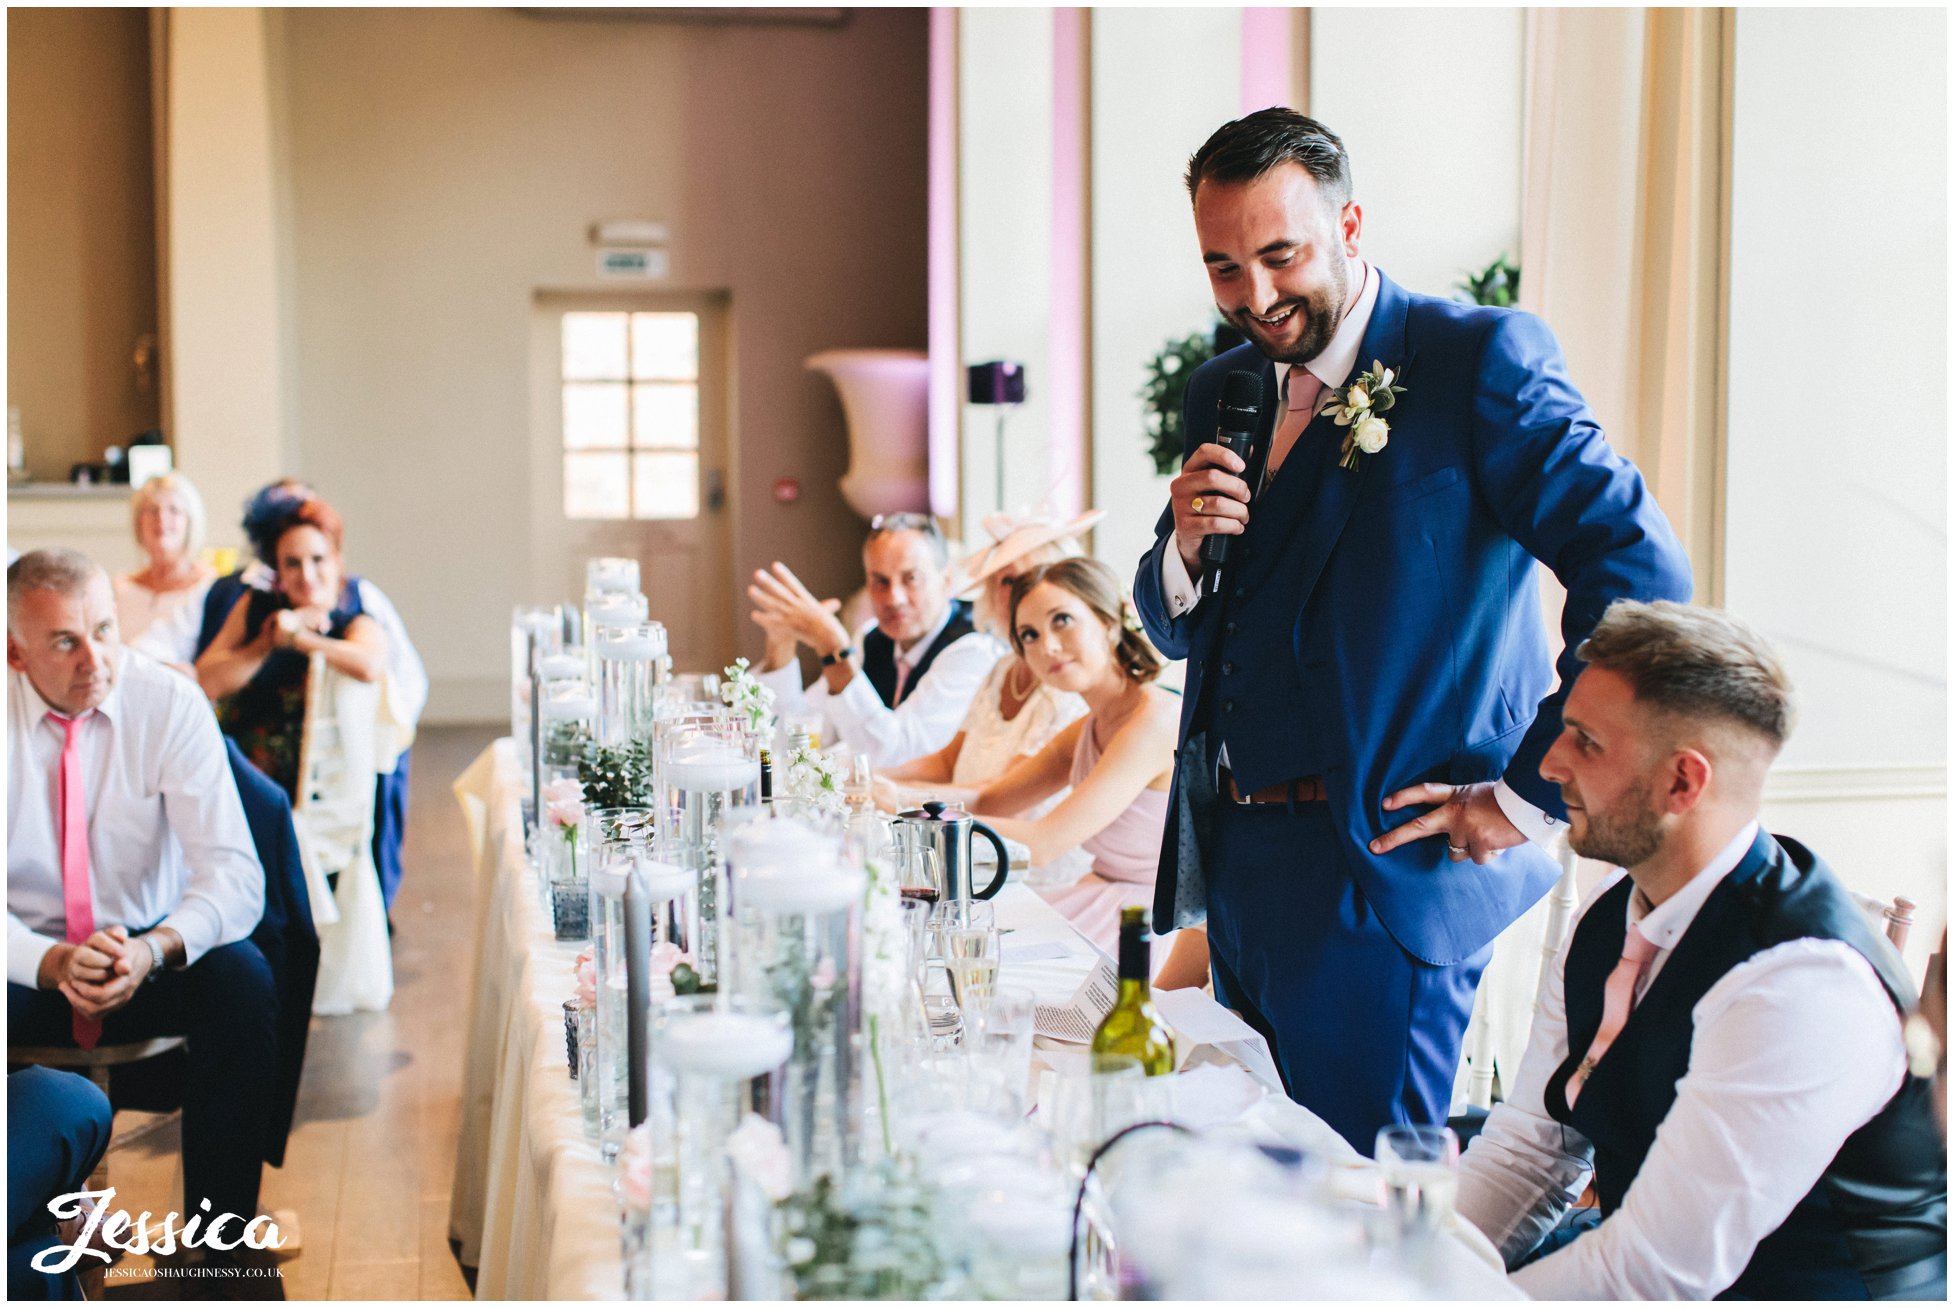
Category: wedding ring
<point>1195,503</point>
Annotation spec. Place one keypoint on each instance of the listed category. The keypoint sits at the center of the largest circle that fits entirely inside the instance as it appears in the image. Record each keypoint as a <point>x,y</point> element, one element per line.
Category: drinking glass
<point>802,722</point>
<point>971,953</point>
<point>1418,1178</point>
<point>997,1045</point>
<point>1091,1103</point>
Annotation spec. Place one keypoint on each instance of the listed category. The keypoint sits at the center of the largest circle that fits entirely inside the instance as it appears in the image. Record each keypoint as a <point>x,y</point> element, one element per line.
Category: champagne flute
<point>971,952</point>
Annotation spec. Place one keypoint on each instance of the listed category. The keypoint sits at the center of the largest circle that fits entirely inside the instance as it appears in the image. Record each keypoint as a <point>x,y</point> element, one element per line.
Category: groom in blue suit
<point>1373,650</point>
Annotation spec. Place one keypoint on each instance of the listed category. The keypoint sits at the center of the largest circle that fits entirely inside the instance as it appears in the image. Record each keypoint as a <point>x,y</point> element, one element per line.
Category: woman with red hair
<point>255,670</point>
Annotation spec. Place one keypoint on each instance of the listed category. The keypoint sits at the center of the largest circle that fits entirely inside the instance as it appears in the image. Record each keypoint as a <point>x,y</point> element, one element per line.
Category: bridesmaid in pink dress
<point>1074,629</point>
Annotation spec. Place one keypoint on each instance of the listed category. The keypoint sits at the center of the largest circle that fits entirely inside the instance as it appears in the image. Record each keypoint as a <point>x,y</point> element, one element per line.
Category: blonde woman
<point>1071,625</point>
<point>168,516</point>
<point>1014,715</point>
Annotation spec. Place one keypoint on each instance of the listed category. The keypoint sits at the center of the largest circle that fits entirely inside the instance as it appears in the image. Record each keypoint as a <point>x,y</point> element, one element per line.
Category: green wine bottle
<point>1133,1028</point>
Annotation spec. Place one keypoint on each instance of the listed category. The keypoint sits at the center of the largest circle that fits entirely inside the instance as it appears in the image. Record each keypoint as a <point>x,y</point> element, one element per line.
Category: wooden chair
<point>1894,917</point>
<point>333,818</point>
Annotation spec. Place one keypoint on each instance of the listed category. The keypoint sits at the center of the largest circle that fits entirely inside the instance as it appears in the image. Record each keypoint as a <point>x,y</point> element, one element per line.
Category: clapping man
<point>1374,644</point>
<point>1718,1043</point>
<point>132,882</point>
<point>900,687</point>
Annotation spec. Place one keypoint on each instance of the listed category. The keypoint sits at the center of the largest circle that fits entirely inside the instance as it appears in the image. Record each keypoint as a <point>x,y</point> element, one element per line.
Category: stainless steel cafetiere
<point>947,832</point>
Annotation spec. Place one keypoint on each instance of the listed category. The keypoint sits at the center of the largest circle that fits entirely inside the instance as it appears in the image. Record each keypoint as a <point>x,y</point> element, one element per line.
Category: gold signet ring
<point>1195,503</point>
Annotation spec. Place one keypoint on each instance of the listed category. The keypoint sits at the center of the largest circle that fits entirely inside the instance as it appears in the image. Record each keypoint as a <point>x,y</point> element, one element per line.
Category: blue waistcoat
<point>1881,1206</point>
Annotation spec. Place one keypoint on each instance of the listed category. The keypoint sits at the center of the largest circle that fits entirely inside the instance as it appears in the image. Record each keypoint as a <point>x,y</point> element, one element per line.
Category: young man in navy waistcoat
<point>1719,1043</point>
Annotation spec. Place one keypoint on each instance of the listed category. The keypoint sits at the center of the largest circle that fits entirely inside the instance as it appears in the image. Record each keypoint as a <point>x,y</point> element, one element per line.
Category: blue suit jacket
<point>1424,657</point>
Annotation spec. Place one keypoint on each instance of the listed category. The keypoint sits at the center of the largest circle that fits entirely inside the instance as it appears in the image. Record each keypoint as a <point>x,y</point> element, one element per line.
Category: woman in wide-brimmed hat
<point>1013,715</point>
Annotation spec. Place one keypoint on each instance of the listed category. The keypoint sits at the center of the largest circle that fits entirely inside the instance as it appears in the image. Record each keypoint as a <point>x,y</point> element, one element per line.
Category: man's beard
<point>1626,837</point>
<point>1322,312</point>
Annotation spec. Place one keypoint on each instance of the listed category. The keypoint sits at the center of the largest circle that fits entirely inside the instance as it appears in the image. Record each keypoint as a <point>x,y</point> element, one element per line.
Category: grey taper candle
<point>637,990</point>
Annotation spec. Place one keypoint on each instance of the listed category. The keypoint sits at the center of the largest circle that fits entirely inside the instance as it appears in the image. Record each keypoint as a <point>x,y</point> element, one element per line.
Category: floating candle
<point>733,1046</point>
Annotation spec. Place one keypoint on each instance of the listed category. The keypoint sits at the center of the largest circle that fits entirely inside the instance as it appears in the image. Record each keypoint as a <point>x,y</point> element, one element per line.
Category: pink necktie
<point>77,904</point>
<point>1617,998</point>
<point>902,679</point>
<point>1303,388</point>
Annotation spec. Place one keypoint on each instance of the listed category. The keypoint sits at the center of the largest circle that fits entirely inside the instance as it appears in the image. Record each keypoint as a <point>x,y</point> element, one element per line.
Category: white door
<point>630,413</point>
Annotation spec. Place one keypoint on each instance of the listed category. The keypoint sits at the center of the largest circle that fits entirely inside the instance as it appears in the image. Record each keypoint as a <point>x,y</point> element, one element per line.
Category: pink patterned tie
<point>1303,389</point>
<point>1617,998</point>
<point>77,903</point>
<point>902,679</point>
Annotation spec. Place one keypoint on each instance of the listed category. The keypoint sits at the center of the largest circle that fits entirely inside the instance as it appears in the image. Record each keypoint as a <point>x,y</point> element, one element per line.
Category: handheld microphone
<point>1240,414</point>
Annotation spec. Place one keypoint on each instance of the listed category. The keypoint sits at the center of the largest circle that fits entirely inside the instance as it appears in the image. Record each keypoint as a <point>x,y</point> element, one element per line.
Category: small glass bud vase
<point>709,769</point>
<point>724,1058</point>
<point>796,924</point>
<point>630,668</point>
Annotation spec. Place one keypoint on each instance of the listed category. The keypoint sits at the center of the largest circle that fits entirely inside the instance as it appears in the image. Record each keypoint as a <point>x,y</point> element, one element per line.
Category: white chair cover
<point>334,822</point>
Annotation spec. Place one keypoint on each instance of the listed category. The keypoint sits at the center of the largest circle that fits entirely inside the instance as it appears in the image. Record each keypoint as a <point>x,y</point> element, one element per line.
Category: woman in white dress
<point>168,516</point>
<point>1014,715</point>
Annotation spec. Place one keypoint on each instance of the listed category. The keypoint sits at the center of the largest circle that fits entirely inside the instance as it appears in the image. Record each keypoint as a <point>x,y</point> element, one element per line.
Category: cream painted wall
<point>1162,81</point>
<point>445,166</point>
<point>227,371</point>
<point>81,231</point>
<point>1004,128</point>
<point>1427,101</point>
<point>1836,536</point>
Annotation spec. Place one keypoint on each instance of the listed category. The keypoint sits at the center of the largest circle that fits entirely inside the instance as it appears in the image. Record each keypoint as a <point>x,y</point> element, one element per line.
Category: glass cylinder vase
<point>617,837</point>
<point>708,769</point>
<point>796,916</point>
<point>609,574</point>
<point>608,609</point>
<point>723,1058</point>
<point>630,668</point>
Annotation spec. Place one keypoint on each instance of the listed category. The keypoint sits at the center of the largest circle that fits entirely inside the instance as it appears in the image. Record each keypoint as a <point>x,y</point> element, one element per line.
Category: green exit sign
<point>638,265</point>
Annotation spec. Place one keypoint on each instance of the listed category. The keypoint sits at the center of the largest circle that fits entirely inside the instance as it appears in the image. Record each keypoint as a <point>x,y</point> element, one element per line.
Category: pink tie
<point>902,679</point>
<point>1617,997</point>
<point>77,904</point>
<point>1303,388</point>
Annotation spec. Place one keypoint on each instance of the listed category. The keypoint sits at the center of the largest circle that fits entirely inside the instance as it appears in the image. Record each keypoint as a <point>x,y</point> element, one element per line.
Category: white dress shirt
<point>167,841</point>
<point>1791,1052</point>
<point>1333,367</point>
<point>926,719</point>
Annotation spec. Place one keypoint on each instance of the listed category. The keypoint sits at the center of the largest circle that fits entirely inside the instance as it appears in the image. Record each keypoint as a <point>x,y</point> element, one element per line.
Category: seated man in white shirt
<point>1718,1044</point>
<point>132,882</point>
<point>900,687</point>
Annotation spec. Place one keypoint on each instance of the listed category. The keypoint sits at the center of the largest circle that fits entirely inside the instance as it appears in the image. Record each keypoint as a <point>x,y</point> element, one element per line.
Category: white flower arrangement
<point>748,699</point>
<point>1356,408</point>
<point>812,779</point>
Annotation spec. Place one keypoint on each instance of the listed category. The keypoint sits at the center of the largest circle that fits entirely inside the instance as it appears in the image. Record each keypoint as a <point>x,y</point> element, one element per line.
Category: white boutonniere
<point>1357,406</point>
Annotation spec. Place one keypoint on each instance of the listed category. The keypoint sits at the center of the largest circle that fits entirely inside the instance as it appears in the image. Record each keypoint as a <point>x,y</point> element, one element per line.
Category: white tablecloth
<point>533,1207</point>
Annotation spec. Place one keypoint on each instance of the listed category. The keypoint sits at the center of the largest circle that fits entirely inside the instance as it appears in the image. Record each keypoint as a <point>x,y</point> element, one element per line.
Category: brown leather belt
<point>1304,790</point>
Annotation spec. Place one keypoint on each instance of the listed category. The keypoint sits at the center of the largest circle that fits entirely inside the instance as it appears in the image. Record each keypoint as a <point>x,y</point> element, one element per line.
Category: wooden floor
<point>372,1153</point>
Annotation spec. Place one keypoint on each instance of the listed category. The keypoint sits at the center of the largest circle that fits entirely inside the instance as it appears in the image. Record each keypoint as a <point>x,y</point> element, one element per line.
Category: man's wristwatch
<point>156,956</point>
<point>841,655</point>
